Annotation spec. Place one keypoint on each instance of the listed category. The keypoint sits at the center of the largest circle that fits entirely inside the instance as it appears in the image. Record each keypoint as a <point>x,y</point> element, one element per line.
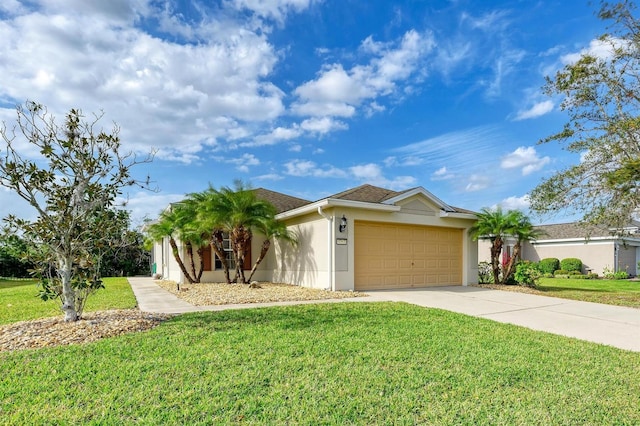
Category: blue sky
<point>307,97</point>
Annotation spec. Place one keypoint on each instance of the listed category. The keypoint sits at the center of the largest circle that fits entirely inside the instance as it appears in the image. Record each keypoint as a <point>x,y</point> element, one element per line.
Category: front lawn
<point>19,300</point>
<point>612,292</point>
<point>347,363</point>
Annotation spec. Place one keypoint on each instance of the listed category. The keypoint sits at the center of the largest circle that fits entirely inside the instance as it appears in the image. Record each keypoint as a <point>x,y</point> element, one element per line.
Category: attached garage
<point>389,255</point>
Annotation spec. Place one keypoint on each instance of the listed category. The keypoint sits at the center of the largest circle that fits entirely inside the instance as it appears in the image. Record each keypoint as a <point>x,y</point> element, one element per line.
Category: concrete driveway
<point>611,325</point>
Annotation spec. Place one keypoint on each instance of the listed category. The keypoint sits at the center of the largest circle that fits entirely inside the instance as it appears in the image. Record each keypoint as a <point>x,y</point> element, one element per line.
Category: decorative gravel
<point>93,326</point>
<point>206,294</point>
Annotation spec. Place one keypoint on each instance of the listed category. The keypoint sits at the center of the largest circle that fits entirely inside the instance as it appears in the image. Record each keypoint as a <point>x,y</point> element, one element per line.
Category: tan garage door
<point>404,256</point>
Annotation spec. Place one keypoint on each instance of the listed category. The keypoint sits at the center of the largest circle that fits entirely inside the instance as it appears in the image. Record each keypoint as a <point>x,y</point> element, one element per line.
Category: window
<point>226,243</point>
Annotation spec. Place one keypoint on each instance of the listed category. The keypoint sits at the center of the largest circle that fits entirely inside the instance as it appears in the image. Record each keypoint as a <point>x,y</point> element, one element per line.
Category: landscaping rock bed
<point>205,294</point>
<point>54,331</point>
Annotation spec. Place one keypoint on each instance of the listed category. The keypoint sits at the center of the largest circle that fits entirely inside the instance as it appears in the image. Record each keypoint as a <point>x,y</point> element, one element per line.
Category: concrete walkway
<point>610,325</point>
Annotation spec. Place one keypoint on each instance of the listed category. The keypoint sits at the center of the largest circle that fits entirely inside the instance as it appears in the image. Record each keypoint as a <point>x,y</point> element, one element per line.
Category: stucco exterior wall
<point>306,264</point>
<point>595,255</point>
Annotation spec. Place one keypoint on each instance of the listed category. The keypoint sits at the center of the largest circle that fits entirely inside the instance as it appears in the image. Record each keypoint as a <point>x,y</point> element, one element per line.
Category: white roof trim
<point>424,192</point>
<point>334,202</point>
<point>587,240</point>
<point>458,215</point>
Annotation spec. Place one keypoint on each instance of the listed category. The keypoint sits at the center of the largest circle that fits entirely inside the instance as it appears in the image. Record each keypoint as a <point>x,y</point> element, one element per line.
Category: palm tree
<point>523,230</point>
<point>494,225</point>
<point>206,220</point>
<point>271,228</point>
<point>168,226</point>
<point>237,212</point>
<point>191,233</point>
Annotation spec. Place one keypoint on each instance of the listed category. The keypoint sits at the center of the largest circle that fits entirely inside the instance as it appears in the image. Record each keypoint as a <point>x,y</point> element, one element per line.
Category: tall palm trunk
<point>194,274</point>
<point>266,244</point>
<point>240,240</point>
<point>509,270</point>
<point>217,244</point>
<point>496,249</point>
<point>201,256</point>
<point>176,255</point>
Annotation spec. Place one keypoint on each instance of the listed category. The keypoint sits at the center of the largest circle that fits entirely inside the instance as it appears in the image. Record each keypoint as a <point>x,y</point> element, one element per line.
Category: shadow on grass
<point>5,283</point>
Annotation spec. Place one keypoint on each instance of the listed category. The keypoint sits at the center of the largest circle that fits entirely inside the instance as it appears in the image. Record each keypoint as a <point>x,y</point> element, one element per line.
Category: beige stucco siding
<point>595,255</point>
<point>305,264</point>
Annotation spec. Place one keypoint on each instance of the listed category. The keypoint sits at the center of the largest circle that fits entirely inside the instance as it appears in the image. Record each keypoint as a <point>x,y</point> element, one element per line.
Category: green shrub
<point>547,275</point>
<point>608,274</point>
<point>571,264</point>
<point>621,275</point>
<point>560,272</point>
<point>592,276</point>
<point>527,274</point>
<point>549,265</point>
<point>575,273</point>
<point>485,273</point>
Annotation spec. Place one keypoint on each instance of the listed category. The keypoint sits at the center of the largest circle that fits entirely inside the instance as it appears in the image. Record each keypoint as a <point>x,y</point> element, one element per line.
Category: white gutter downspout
<point>329,247</point>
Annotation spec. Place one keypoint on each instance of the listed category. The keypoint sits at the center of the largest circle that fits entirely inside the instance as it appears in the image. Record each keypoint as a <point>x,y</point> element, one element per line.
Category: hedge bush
<point>549,265</point>
<point>571,264</point>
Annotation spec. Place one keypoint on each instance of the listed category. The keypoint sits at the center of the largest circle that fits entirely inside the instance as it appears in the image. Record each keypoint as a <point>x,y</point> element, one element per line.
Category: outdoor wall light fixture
<point>343,224</point>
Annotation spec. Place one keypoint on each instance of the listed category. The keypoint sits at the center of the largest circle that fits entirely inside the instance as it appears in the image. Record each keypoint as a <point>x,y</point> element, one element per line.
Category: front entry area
<point>389,256</point>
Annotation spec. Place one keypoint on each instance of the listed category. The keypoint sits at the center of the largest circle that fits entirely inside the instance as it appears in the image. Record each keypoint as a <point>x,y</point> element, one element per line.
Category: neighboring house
<point>364,238</point>
<point>597,247</point>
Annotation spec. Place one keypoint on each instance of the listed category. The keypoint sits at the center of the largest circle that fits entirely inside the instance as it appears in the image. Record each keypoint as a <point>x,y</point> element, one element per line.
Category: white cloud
<point>339,92</point>
<point>146,204</point>
<point>478,182</point>
<point>372,174</point>
<point>537,110</point>
<point>601,49</point>
<point>309,168</point>
<point>515,203</point>
<point>269,176</point>
<point>295,148</point>
<point>442,174</point>
<point>274,9</point>
<point>322,125</point>
<point>526,158</point>
<point>161,92</point>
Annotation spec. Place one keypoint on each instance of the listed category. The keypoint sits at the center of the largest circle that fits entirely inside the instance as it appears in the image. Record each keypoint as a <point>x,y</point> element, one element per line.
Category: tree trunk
<point>194,274</point>
<point>263,252</point>
<point>217,244</point>
<point>65,264</point>
<point>176,255</point>
<point>496,249</point>
<point>240,237</point>
<point>512,262</point>
<point>201,256</point>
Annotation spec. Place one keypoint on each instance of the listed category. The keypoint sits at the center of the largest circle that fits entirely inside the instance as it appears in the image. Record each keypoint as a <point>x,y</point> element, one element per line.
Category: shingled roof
<point>366,193</point>
<point>281,202</point>
<point>374,194</point>
<point>574,230</point>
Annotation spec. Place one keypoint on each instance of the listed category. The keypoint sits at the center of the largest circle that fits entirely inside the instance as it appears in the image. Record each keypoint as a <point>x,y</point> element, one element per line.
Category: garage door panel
<point>403,256</point>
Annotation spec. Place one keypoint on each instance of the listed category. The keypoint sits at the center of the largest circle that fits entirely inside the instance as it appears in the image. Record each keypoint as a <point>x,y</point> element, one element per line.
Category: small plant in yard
<point>484,273</point>
<point>609,274</point>
<point>527,274</point>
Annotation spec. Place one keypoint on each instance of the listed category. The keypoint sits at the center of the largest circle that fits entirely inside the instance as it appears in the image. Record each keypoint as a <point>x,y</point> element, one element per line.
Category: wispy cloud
<point>525,158</point>
<point>537,110</point>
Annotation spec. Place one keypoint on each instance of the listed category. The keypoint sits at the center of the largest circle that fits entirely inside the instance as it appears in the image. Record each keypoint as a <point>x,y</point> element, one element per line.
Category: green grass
<point>19,300</point>
<point>332,364</point>
<point>612,292</point>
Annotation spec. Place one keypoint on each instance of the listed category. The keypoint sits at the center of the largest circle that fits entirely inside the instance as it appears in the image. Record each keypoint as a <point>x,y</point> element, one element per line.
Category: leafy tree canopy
<point>601,96</point>
<point>73,187</point>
